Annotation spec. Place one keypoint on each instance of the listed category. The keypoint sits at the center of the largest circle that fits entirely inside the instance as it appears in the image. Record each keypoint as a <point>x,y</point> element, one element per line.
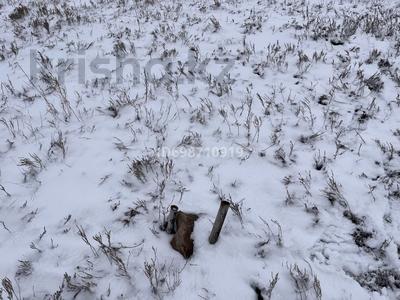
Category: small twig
<point>2,188</point>
<point>4,226</point>
<point>43,233</point>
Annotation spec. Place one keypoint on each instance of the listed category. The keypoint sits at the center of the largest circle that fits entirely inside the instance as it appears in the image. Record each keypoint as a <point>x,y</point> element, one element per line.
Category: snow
<point>234,100</point>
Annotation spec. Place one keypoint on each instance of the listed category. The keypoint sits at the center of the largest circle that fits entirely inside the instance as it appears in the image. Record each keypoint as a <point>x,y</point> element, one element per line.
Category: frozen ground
<point>288,109</point>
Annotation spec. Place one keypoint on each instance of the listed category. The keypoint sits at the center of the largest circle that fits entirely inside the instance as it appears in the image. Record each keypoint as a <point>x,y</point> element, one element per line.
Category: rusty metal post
<point>219,221</point>
<point>171,220</point>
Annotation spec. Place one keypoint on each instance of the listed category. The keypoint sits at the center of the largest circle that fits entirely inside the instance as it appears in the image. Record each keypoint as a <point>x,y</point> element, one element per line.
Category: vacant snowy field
<point>111,111</point>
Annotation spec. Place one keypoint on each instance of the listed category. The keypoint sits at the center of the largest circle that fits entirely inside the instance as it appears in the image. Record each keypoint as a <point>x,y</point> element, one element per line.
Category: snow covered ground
<point>111,111</point>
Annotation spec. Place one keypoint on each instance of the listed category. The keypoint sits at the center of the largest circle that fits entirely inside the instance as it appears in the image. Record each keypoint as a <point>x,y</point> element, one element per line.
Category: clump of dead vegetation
<point>378,279</point>
<point>151,164</point>
<point>163,278</point>
<point>333,192</point>
<point>19,12</point>
<point>32,166</point>
<point>306,282</point>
